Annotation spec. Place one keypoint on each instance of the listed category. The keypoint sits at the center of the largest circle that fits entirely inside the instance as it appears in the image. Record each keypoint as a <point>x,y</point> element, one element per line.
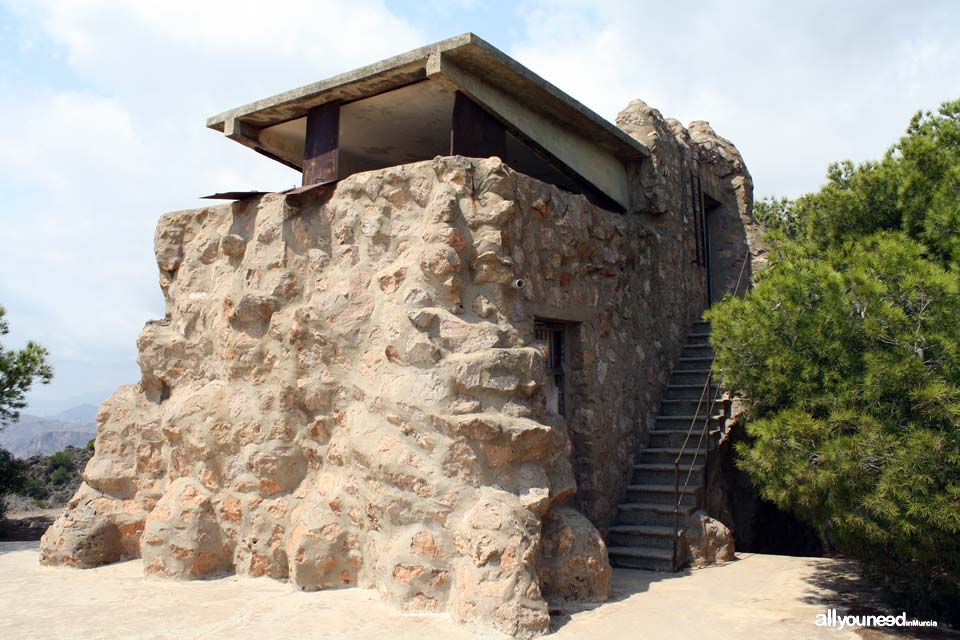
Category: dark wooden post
<point>474,132</point>
<point>321,150</point>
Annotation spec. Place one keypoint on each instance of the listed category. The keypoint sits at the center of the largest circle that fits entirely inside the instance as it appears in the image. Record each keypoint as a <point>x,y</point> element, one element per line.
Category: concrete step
<point>689,391</point>
<point>673,438</point>
<point>690,375</point>
<point>663,473</point>
<point>663,493</point>
<point>689,407</point>
<point>695,362</point>
<point>683,421</point>
<point>640,535</point>
<point>648,558</point>
<point>701,326</point>
<point>652,513</point>
<point>694,335</point>
<point>697,350</point>
<point>667,455</point>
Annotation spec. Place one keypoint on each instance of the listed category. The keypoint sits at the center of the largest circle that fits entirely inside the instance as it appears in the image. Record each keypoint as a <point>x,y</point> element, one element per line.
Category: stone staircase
<point>642,537</point>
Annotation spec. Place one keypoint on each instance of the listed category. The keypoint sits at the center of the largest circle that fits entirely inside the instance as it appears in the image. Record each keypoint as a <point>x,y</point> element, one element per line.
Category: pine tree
<point>848,350</point>
<point>19,369</point>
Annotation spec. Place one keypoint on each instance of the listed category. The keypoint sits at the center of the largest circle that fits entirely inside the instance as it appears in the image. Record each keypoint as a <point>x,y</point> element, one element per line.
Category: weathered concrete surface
<point>468,51</point>
<point>346,391</point>
<point>762,597</point>
<point>347,388</point>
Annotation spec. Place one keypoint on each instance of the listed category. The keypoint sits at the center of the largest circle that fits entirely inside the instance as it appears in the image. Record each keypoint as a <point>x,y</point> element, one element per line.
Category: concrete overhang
<point>543,114</point>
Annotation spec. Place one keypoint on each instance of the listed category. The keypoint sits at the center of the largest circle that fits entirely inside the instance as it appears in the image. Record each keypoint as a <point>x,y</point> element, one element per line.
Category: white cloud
<point>104,111</point>
<point>65,134</point>
<point>89,170</point>
<point>300,28</point>
<point>794,86</point>
<point>180,53</point>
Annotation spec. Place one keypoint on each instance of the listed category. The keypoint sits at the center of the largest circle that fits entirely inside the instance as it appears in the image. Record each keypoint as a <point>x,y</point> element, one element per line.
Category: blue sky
<point>103,104</point>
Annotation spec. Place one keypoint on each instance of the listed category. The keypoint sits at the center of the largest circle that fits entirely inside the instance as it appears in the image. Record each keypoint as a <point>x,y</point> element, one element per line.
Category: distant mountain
<point>47,443</point>
<point>33,435</point>
<point>81,413</point>
<point>52,407</point>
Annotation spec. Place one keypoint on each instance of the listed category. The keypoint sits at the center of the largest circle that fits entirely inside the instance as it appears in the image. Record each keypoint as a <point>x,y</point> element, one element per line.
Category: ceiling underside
<point>397,127</point>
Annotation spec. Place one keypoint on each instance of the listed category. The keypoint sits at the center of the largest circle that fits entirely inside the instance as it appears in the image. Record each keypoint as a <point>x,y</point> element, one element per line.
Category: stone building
<point>446,367</point>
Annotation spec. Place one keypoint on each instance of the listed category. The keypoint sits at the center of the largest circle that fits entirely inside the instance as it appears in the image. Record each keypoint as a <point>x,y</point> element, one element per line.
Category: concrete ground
<point>758,596</point>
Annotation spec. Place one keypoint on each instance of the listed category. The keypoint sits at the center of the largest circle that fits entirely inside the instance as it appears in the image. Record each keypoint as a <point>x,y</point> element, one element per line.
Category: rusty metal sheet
<point>322,190</point>
<point>234,195</point>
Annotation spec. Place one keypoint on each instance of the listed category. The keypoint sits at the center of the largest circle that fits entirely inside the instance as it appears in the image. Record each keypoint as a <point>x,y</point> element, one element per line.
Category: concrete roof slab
<point>468,52</point>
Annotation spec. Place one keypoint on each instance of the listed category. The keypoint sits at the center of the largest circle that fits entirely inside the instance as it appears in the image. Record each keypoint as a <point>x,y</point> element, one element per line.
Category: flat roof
<point>466,51</point>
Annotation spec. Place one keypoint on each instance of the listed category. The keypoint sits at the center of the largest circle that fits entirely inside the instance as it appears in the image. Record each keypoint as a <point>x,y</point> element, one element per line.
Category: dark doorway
<point>711,248</point>
<point>551,338</point>
<point>707,232</point>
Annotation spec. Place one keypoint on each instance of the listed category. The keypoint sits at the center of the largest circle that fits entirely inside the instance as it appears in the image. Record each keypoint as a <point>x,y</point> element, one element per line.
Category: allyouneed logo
<point>832,619</point>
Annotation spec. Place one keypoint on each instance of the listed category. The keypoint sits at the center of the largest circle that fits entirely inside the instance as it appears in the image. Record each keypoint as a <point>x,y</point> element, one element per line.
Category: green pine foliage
<point>19,369</point>
<point>848,350</point>
<point>12,478</point>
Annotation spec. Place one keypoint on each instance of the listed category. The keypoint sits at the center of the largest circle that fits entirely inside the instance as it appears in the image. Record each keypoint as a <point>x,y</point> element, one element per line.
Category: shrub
<point>11,478</point>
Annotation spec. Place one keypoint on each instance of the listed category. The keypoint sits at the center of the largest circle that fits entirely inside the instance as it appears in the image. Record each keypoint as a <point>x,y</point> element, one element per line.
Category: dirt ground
<point>758,596</point>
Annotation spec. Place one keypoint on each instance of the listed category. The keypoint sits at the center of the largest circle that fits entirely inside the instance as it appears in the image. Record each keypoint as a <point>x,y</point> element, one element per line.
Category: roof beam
<point>249,136</point>
<point>590,161</point>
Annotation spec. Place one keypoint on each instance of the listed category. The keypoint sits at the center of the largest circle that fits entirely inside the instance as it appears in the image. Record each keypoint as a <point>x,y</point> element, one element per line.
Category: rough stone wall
<point>666,190</point>
<point>345,390</point>
<point>733,231</point>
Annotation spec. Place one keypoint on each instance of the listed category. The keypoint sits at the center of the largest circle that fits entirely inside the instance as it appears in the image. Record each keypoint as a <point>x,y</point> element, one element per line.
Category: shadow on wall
<point>759,526</point>
<point>763,528</point>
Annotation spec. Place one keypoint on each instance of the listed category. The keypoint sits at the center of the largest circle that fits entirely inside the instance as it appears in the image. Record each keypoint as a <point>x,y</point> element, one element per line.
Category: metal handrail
<point>704,433</point>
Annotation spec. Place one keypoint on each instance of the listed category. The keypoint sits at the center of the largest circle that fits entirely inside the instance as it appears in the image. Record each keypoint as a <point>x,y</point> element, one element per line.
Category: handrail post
<point>706,455</point>
<point>676,512</point>
<point>705,431</point>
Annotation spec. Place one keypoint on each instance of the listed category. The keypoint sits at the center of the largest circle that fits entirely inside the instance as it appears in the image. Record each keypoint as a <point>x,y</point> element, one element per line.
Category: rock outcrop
<point>693,167</point>
<point>708,541</point>
<point>572,564</point>
<point>348,387</point>
<point>342,394</point>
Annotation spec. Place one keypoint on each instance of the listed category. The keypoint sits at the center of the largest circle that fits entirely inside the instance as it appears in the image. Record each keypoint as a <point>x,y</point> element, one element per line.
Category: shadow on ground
<point>841,585</point>
<point>9,547</point>
<point>624,584</point>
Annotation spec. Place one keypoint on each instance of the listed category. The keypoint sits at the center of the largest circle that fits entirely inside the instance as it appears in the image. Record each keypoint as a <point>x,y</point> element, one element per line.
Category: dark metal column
<point>321,151</point>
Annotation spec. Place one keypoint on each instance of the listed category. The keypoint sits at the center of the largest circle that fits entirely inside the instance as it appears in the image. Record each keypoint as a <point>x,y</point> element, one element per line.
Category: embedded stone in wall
<point>573,562</point>
<point>182,538</point>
